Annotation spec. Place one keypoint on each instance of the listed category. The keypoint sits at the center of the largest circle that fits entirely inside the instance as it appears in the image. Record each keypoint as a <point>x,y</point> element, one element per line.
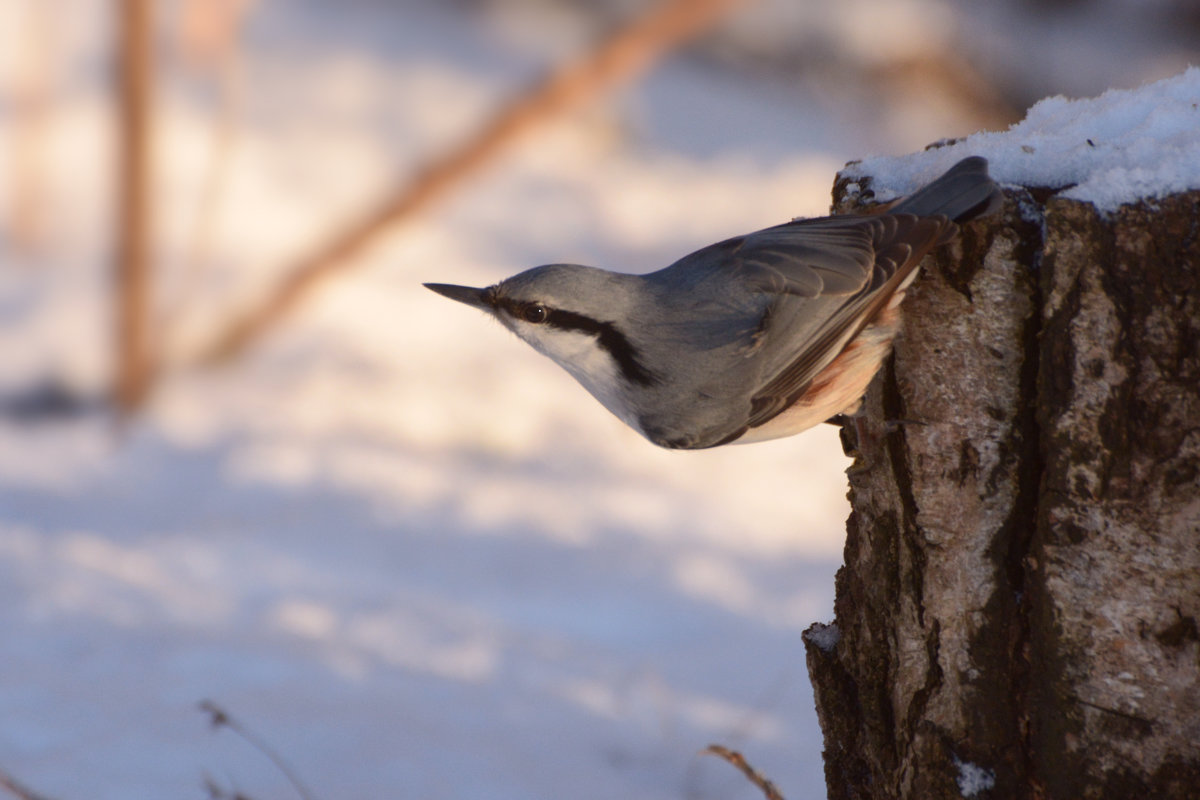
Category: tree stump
<point>1017,613</point>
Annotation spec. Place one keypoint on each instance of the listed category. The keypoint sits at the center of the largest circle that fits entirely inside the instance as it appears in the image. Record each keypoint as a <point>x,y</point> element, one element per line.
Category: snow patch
<point>1111,150</point>
<point>823,636</point>
<point>973,779</point>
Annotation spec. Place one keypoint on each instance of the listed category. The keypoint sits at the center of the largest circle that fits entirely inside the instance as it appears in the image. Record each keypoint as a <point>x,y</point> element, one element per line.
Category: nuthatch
<point>752,338</point>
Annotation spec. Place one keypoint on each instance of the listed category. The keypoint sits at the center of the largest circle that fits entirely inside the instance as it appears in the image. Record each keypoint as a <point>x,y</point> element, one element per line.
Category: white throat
<point>581,355</point>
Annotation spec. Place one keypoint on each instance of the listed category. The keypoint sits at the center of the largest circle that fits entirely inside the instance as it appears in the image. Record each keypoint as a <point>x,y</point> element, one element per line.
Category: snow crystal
<point>973,779</point>
<point>1111,150</point>
<point>825,637</point>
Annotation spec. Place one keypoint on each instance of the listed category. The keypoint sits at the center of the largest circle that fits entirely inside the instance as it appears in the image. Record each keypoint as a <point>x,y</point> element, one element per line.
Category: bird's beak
<point>463,294</point>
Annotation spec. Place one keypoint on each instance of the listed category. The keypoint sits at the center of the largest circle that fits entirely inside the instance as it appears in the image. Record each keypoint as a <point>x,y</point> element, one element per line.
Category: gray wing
<point>788,298</point>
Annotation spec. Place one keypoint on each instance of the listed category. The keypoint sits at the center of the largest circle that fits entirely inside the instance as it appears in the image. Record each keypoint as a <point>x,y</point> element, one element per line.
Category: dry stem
<point>619,58</point>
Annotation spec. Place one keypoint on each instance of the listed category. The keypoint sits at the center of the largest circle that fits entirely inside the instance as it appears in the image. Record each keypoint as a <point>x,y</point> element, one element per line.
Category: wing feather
<point>900,243</point>
<point>804,289</point>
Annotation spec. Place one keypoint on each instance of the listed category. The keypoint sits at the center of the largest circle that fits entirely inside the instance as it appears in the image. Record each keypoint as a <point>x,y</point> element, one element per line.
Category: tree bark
<point>1017,613</point>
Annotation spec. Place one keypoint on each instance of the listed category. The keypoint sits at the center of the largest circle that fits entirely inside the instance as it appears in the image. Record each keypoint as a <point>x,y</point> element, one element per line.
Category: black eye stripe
<point>609,337</point>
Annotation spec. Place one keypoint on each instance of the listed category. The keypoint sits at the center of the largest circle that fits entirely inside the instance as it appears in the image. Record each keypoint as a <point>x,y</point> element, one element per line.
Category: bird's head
<point>578,316</point>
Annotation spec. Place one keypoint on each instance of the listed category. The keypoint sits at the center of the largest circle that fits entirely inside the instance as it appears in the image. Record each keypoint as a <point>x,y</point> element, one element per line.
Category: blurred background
<point>245,457</point>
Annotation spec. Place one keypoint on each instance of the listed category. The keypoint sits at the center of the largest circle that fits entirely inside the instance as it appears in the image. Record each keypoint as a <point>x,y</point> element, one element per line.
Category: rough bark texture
<point>1018,612</point>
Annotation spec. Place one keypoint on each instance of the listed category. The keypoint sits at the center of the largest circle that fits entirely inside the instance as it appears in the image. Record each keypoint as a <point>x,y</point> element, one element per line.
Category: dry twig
<point>754,776</point>
<point>216,791</point>
<point>221,719</point>
<point>18,790</point>
<point>132,273</point>
<point>619,58</point>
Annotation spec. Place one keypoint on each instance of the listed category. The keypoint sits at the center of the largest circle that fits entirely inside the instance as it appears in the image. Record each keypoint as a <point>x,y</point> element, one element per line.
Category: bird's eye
<point>534,313</point>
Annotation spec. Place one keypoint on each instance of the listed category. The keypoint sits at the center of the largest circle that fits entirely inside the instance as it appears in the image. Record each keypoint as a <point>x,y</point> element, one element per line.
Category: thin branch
<point>754,776</point>
<point>619,58</point>
<point>132,272</point>
<point>219,718</point>
<point>217,792</point>
<point>17,789</point>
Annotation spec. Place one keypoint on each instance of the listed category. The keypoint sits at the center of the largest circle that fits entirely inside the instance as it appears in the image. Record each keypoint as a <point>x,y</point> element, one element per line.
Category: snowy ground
<point>404,549</point>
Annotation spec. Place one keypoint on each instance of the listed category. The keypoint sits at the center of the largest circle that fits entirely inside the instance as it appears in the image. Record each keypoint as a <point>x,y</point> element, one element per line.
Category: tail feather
<point>965,192</point>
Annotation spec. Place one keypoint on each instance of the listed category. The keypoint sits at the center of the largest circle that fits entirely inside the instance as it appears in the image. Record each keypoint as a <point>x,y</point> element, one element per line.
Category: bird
<point>755,337</point>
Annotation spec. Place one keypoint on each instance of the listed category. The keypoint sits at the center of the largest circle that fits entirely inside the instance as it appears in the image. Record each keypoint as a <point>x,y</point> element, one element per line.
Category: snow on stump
<point>1018,615</point>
